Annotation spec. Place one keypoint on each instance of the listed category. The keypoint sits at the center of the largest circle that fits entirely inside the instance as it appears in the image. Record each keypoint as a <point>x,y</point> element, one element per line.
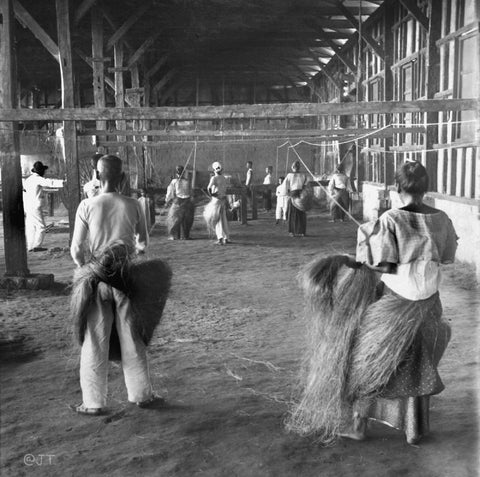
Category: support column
<point>69,127</point>
<point>98,66</point>
<point>13,215</point>
<point>432,69</point>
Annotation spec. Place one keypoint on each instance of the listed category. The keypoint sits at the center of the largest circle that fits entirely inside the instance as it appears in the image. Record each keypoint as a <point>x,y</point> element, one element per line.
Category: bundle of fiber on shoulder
<point>180,211</point>
<point>145,282</point>
<point>212,212</point>
<point>337,295</point>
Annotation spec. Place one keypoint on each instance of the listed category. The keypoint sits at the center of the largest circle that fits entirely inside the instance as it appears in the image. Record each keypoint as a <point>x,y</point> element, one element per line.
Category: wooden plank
<point>82,10</point>
<point>412,7</point>
<point>13,213</point>
<point>69,127</point>
<point>240,111</point>
<point>440,171</point>
<point>98,67</point>
<point>432,69</point>
<point>469,171</point>
<point>122,31</point>
<point>143,49</point>
<point>40,34</point>
<point>460,172</point>
<point>322,133</point>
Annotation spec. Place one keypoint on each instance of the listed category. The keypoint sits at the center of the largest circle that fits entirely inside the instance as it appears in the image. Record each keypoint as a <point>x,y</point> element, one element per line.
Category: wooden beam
<point>122,31</point>
<point>371,42</point>
<point>13,214</point>
<point>97,63</point>
<point>338,52</point>
<point>412,7</point>
<point>161,61</point>
<point>324,133</point>
<point>143,49</point>
<point>69,127</point>
<point>82,10</point>
<point>165,79</point>
<point>40,34</point>
<point>240,111</point>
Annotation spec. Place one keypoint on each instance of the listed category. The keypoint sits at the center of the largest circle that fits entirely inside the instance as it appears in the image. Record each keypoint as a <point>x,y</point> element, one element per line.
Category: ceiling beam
<point>412,7</point>
<point>82,10</point>
<point>40,34</point>
<point>339,54</point>
<point>161,61</point>
<point>142,49</point>
<point>373,44</point>
<point>240,111</point>
<point>122,31</point>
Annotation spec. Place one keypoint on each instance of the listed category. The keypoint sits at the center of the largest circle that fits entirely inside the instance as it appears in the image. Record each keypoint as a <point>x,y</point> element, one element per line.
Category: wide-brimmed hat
<point>39,167</point>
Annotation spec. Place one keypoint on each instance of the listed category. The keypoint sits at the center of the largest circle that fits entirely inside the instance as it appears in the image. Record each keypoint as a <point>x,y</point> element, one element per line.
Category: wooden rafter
<point>122,31</point>
<point>40,34</point>
<point>165,79</point>
<point>412,7</point>
<point>82,10</point>
<point>338,52</point>
<point>143,49</point>
<point>160,62</point>
<point>369,40</point>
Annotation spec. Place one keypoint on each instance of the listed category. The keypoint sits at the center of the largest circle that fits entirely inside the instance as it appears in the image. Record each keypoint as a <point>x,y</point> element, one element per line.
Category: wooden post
<point>98,66</point>
<point>69,127</point>
<point>120,103</point>
<point>432,68</point>
<point>388,92</point>
<point>253,195</point>
<point>13,215</point>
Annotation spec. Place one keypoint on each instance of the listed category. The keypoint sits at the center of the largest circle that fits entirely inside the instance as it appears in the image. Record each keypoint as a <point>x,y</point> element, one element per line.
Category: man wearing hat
<point>34,201</point>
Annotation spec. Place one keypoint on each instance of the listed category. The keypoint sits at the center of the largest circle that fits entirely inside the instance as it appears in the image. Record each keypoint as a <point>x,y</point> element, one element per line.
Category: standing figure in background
<point>92,187</point>
<point>295,183</point>
<point>267,194</point>
<point>145,205</point>
<point>339,189</point>
<point>282,201</point>
<point>34,201</point>
<point>181,212</point>
<point>215,213</point>
<point>249,176</point>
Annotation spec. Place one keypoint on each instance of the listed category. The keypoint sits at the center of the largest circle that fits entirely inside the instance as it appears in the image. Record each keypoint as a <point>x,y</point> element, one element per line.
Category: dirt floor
<point>226,357</point>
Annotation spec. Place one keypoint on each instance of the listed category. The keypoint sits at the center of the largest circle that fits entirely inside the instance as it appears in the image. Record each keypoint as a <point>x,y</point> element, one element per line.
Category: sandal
<point>154,401</point>
<point>88,411</point>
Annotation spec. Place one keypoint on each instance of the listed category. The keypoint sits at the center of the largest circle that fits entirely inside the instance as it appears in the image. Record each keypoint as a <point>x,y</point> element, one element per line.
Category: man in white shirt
<point>110,220</point>
<point>34,201</point>
<point>181,212</point>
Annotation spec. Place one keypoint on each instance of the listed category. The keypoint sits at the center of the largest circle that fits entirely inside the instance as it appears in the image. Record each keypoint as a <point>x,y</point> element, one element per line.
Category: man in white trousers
<point>34,202</point>
<point>110,219</point>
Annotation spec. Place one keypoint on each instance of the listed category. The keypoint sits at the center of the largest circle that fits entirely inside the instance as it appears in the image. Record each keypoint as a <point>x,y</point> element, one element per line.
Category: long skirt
<point>297,220</point>
<point>267,200</point>
<point>341,197</point>
<point>180,218</point>
<point>404,402</point>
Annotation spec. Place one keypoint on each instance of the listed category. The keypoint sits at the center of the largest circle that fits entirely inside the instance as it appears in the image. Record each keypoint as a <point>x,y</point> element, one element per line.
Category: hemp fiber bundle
<point>336,296</point>
<point>212,213</point>
<point>145,282</point>
<point>181,211</point>
<point>356,342</point>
